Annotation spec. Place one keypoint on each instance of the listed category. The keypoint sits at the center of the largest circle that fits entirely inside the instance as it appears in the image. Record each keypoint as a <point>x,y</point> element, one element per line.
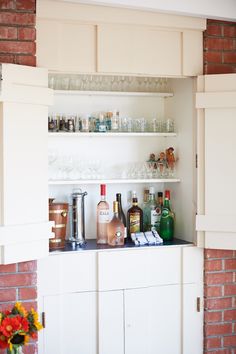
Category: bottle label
<point>154,217</point>
<point>134,222</point>
<point>103,216</point>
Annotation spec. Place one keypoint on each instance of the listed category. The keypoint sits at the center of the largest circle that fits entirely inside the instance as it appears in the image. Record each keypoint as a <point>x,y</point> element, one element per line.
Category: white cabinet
<point>98,304</point>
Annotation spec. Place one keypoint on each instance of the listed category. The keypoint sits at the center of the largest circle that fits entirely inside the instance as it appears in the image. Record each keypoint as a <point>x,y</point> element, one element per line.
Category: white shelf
<point>113,93</point>
<point>114,181</point>
<point>110,134</point>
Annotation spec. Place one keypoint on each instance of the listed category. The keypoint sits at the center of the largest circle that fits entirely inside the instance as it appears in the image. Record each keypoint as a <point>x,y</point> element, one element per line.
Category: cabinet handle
<point>43,319</point>
<point>198,304</point>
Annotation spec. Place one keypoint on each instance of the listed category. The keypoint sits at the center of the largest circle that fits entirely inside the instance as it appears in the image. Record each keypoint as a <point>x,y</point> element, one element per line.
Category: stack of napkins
<point>146,238</point>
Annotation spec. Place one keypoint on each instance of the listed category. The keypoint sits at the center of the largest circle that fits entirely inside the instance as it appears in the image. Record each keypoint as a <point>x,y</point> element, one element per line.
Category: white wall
<point>217,9</point>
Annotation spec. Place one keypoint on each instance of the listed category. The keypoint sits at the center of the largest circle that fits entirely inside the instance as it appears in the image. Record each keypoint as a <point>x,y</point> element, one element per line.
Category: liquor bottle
<point>150,216</point>
<point>121,214</point>
<point>167,220</point>
<point>135,217</point>
<point>159,209</point>
<point>115,119</point>
<point>145,197</point>
<point>102,217</point>
<point>116,228</point>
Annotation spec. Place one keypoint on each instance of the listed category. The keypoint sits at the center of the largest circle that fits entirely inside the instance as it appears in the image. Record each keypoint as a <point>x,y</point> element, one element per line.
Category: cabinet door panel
<point>217,161</point>
<point>126,49</point>
<point>66,46</point>
<point>153,320</point>
<point>70,324</point>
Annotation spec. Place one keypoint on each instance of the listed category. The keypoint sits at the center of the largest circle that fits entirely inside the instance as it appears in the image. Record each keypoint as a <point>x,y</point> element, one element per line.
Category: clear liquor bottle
<point>116,228</point>
<point>121,214</point>
<point>150,216</point>
<point>102,217</point>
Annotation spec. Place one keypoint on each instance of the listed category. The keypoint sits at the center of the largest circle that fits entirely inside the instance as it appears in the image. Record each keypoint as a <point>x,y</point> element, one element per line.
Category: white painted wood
<point>220,240</point>
<point>219,113</point>
<point>66,46</point>
<point>153,320</point>
<point>23,75</point>
<point>105,14</point>
<point>70,324</point>
<point>192,53</point>
<point>192,265</point>
<point>111,322</point>
<point>113,93</point>
<point>26,94</point>
<point>113,181</point>
<point>153,51</point>
<point>67,273</point>
<point>142,264</point>
<point>192,319</point>
<point>109,134</point>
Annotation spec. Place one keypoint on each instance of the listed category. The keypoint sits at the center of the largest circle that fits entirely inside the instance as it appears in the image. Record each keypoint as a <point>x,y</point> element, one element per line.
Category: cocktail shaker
<point>78,217</point>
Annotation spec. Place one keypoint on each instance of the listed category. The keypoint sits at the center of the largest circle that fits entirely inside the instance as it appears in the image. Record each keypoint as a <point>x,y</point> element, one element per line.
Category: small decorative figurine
<point>170,158</point>
<point>162,163</point>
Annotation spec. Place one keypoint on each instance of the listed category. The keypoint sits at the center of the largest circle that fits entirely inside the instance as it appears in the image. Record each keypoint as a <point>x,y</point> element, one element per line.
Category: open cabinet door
<point>216,214</point>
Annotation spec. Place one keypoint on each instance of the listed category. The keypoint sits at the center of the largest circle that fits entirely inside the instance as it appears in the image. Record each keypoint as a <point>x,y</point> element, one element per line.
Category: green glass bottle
<point>167,220</point>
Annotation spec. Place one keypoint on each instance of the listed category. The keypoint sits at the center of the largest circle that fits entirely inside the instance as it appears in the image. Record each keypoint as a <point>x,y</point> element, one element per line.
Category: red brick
<point>213,265</point>
<point>230,289</point>
<point>8,295</point>
<point>28,5</point>
<point>214,30</point>
<point>219,69</point>
<point>26,34</point>
<point>209,253</point>
<point>219,44</point>
<point>8,33</point>
<point>5,58</point>
<point>17,18</point>
<point>9,268</point>
<point>216,329</point>
<point>218,304</point>
<point>7,4</point>
<point>218,278</point>
<point>30,266</point>
<point>209,21</point>
<point>230,31</point>
<point>29,60</point>
<point>223,351</point>
<point>230,57</point>
<point>230,263</point>
<point>230,315</point>
<point>211,343</point>
<point>215,316</point>
<point>17,47</point>
<point>213,57</point>
<point>230,341</point>
<point>27,293</point>
<point>29,305</point>
<point>213,291</point>
<point>12,280</point>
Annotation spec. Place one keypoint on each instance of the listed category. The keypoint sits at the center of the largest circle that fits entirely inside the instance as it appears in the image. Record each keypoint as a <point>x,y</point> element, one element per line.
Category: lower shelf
<point>113,181</point>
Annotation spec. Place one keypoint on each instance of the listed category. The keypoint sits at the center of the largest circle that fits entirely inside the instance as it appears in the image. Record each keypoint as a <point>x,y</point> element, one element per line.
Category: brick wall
<point>17,45</point>
<point>220,265</point>
<point>17,32</point>
<point>220,47</point>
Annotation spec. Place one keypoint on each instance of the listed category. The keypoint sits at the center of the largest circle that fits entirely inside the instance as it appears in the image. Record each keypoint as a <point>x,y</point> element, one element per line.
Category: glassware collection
<point>71,168</point>
<point>107,122</point>
<point>152,224</point>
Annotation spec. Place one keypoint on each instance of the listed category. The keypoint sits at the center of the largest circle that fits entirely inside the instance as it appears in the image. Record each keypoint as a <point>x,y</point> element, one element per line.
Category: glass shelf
<point>114,181</point>
<point>110,134</point>
<point>113,93</point>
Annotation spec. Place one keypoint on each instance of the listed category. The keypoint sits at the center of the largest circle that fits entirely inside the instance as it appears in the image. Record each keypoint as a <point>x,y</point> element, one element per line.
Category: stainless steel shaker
<point>78,217</point>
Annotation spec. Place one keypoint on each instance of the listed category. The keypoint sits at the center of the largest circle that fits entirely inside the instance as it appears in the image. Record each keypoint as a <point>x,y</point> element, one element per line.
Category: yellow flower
<point>37,324</point>
<point>0,318</point>
<point>21,309</point>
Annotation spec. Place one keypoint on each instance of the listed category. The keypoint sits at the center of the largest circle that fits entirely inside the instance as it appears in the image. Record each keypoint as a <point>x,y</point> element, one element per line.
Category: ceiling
<point>214,9</point>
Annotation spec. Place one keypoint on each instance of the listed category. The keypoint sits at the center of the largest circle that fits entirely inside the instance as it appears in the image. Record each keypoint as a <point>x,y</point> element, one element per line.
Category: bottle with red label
<point>103,217</point>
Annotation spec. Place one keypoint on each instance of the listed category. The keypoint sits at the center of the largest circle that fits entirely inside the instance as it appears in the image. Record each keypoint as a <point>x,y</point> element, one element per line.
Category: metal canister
<point>78,217</point>
<point>58,212</point>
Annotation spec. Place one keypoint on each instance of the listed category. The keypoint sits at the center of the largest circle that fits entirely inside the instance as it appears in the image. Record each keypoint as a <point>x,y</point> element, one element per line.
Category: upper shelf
<point>114,181</point>
<point>110,134</point>
<point>114,93</point>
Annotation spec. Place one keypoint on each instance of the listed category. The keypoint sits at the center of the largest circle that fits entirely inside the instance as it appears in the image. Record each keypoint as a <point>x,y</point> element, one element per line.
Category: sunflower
<point>36,322</point>
<point>20,309</point>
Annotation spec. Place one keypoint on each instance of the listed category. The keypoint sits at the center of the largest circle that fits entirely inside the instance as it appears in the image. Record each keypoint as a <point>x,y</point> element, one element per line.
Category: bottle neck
<point>166,203</point>
<point>103,198</point>
<point>160,200</point>
<point>151,197</point>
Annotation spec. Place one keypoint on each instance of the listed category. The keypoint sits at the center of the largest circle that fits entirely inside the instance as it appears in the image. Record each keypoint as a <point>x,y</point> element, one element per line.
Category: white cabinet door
<point>66,46</point>
<point>153,320</point>
<point>71,323</point>
<point>216,104</point>
<point>138,50</point>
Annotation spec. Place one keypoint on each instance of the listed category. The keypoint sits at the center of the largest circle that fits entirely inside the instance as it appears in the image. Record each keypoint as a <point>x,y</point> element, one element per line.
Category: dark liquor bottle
<point>135,217</point>
<point>167,220</point>
<point>121,214</point>
<point>159,209</point>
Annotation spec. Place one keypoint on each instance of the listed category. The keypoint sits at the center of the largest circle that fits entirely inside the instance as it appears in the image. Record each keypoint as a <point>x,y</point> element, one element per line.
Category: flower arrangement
<point>16,327</point>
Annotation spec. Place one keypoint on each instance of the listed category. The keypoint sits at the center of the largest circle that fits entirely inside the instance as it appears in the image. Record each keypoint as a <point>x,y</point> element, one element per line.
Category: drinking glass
<point>170,125</point>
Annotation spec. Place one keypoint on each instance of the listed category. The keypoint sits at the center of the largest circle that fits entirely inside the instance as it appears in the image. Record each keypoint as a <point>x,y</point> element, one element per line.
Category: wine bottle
<point>102,217</point>
<point>116,228</point>
<point>135,217</point>
<point>150,216</point>
<point>121,214</point>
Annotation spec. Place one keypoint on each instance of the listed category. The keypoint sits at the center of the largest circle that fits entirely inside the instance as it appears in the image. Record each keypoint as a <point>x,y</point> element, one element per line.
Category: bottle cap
<point>160,194</point>
<point>151,190</point>
<point>167,194</point>
<point>115,206</point>
<point>103,189</point>
<point>134,194</point>
<point>118,196</point>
